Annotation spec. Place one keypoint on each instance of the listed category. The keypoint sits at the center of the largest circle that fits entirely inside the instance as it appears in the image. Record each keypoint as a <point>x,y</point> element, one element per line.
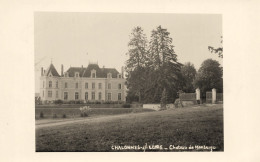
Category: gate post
<point>198,95</point>
<point>214,95</point>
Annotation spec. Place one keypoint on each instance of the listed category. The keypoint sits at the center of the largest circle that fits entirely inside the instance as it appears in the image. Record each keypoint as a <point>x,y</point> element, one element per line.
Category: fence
<point>219,97</point>
<point>188,97</point>
<point>208,97</point>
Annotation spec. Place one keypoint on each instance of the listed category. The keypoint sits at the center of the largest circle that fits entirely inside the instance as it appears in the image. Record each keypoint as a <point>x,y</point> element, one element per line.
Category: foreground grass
<point>183,127</point>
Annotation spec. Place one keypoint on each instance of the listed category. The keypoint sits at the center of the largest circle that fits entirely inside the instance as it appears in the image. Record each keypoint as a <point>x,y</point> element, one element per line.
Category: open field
<point>185,127</point>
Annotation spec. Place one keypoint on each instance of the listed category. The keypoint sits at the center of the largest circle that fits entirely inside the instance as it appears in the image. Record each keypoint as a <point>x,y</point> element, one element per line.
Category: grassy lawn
<point>184,127</point>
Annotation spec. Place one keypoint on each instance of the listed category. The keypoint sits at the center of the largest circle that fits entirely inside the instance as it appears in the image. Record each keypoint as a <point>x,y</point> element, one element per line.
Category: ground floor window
<point>66,95</point>
<point>99,95</point>
<point>76,95</point>
<point>49,93</point>
<point>109,96</point>
<point>93,96</point>
<point>119,96</point>
<point>86,95</point>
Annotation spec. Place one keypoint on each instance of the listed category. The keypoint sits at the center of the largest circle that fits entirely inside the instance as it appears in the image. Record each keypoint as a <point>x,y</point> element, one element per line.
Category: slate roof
<point>86,71</point>
<point>51,70</point>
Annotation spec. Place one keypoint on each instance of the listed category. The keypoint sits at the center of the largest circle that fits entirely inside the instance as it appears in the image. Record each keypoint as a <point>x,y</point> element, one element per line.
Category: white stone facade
<point>95,87</point>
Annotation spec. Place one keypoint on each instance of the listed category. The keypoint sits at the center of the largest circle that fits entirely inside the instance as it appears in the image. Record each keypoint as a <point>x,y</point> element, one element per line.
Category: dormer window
<point>66,74</point>
<point>119,76</point>
<point>109,75</point>
<point>93,73</point>
<point>76,74</point>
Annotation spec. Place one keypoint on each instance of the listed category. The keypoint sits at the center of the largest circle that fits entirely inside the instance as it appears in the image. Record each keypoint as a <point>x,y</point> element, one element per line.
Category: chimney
<point>41,71</point>
<point>61,69</point>
<point>122,71</point>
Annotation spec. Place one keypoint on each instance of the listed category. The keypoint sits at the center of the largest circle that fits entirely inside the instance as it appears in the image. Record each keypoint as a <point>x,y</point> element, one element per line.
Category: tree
<point>209,76</point>
<point>163,61</point>
<point>188,72</point>
<point>218,50</point>
<point>135,64</point>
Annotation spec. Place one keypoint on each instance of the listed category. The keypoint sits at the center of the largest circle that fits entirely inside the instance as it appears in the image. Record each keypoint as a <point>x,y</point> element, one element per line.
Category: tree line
<point>154,74</point>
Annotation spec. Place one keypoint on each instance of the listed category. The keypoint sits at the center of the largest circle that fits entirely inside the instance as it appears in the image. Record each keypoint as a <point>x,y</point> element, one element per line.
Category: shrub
<point>64,116</point>
<point>41,115</point>
<point>126,105</point>
<point>58,102</point>
<point>84,111</point>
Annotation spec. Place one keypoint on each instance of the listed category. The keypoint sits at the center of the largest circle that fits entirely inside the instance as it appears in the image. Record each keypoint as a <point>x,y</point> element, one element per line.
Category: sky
<point>76,39</point>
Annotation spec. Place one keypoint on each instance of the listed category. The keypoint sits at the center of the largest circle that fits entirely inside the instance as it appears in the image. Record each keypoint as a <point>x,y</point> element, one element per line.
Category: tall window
<point>86,95</point>
<point>66,85</point>
<point>86,85</point>
<point>76,95</point>
<point>57,84</point>
<point>99,95</point>
<point>49,93</point>
<point>109,86</point>
<point>93,95</point>
<point>66,95</point>
<point>109,96</point>
<point>119,96</point>
<point>57,94</point>
<point>119,86</point>
<point>50,84</point>
<point>43,84</point>
<point>99,85</point>
<point>77,85</point>
<point>93,85</point>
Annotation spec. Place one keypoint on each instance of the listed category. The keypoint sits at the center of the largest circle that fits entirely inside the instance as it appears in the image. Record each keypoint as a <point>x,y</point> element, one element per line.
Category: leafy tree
<point>209,76</point>
<point>163,60</point>
<point>188,72</point>
<point>218,50</point>
<point>135,64</point>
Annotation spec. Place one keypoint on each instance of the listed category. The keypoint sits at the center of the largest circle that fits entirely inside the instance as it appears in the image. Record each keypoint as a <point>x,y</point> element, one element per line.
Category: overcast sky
<point>75,39</point>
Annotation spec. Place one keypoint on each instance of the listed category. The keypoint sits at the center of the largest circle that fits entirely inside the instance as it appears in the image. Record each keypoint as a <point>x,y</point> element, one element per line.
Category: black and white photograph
<point>128,82</point>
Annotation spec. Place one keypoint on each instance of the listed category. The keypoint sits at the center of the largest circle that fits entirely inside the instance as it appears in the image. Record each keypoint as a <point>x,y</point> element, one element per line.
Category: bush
<point>64,116</point>
<point>84,114</point>
<point>41,115</point>
<point>58,102</point>
<point>126,105</point>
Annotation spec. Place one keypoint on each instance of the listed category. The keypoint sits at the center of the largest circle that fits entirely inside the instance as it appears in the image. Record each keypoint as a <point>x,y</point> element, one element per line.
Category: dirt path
<point>51,122</point>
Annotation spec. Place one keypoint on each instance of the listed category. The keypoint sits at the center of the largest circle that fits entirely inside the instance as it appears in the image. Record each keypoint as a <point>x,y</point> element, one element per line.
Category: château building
<point>90,83</point>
